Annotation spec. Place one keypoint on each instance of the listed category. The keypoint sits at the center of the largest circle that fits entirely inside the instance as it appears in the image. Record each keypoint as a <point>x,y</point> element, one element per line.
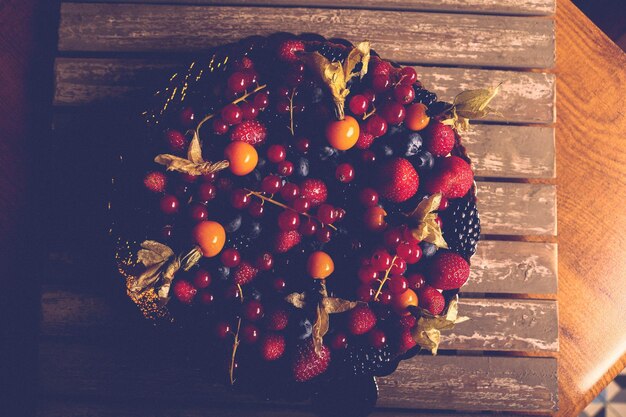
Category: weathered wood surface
<point>513,268</point>
<point>495,324</point>
<point>432,38</point>
<point>122,374</point>
<point>513,7</point>
<point>517,209</point>
<point>526,97</point>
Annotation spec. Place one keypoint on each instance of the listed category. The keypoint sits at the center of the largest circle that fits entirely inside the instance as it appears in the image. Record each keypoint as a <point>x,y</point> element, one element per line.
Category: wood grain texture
<point>591,186</point>
<point>495,324</point>
<point>119,374</point>
<point>526,97</point>
<point>513,7</point>
<point>402,36</point>
<point>513,268</point>
<point>517,209</point>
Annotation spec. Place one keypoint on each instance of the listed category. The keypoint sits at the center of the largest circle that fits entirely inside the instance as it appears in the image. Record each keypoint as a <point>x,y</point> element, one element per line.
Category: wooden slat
<point>513,268</point>
<point>513,7</point>
<point>441,382</point>
<point>496,324</point>
<point>431,38</point>
<point>517,209</point>
<point>526,97</point>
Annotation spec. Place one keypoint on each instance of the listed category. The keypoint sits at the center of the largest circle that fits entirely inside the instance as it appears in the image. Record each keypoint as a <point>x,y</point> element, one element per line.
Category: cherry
<point>380,83</point>
<point>303,145</point>
<point>220,127</point>
<point>232,114</point>
<point>289,191</point>
<point>367,274</point>
<point>368,197</point>
<point>222,329</point>
<point>403,93</point>
<point>230,257</point>
<point>285,168</point>
<point>308,227</point>
<point>169,204</point>
<point>288,220</point>
<point>264,261</point>
<point>198,212</point>
<point>206,192</point>
<point>249,333</point>
<point>261,100</point>
<point>256,209</point>
<point>408,75</point>
<point>240,198</point>
<point>398,285</point>
<point>238,82</point>
<point>377,338</point>
<point>393,113</point>
<point>175,140</point>
<point>249,111</point>
<point>326,213</point>
<point>252,310</point>
<point>359,104</point>
<point>271,184</point>
<point>276,153</point>
<point>416,281</point>
<point>376,126</point>
<point>344,172</point>
<point>202,278</point>
<point>381,260</point>
<point>339,341</point>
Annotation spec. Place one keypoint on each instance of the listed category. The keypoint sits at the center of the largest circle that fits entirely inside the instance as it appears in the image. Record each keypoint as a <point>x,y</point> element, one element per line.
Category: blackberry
<point>461,226</point>
<point>367,360</point>
<point>425,97</point>
<point>333,53</point>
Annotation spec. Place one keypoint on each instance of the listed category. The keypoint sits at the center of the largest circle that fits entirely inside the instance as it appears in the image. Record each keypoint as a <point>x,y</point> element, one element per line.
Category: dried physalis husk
<point>427,331</point>
<point>194,164</point>
<point>470,104</point>
<point>425,215</point>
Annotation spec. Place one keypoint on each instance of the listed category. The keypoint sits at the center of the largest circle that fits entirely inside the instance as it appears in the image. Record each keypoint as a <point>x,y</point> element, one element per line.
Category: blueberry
<point>317,95</point>
<point>256,294</point>
<point>425,160</point>
<point>412,144</point>
<point>254,230</point>
<point>428,249</point>
<point>223,272</point>
<point>328,152</point>
<point>234,224</point>
<point>302,167</point>
<point>261,163</point>
<point>383,148</point>
<point>396,130</point>
<point>305,328</point>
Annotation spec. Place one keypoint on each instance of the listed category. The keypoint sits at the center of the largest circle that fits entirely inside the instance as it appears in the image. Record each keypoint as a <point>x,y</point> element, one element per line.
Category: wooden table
<point>591,295</point>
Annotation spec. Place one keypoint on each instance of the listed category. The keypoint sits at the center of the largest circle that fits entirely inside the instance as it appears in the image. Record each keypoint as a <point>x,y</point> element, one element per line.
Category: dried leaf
<point>194,151</point>
<point>320,328</point>
<point>426,206</point>
<point>427,228</point>
<point>470,104</point>
<point>298,300</point>
<point>427,332</point>
<point>194,164</point>
<point>337,305</point>
<point>358,54</point>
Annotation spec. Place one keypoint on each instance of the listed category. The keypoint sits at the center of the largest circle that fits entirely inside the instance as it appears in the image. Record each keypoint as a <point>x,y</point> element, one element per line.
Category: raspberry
<point>155,182</point>
<point>361,320</point>
<point>272,346</point>
<point>245,273</point>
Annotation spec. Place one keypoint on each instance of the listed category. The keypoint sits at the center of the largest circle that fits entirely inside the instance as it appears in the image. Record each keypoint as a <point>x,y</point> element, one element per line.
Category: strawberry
<point>439,139</point>
<point>286,240</point>
<point>406,341</point>
<point>277,319</point>
<point>407,322</point>
<point>175,140</point>
<point>184,291</point>
<point>314,190</point>
<point>272,346</point>
<point>361,320</point>
<point>307,364</point>
<point>452,176</point>
<point>448,271</point>
<point>430,299</point>
<point>155,181</point>
<point>252,132</point>
<point>287,51</point>
<point>397,180</point>
<point>245,273</point>
<point>365,140</point>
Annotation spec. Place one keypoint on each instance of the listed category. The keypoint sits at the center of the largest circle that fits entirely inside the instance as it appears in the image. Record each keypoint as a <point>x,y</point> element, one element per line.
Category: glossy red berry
<point>398,284</point>
<point>232,293</point>
<point>238,82</point>
<point>444,204</point>
<point>303,145</point>
<point>368,274</point>
<point>249,111</point>
<point>398,267</point>
<point>261,100</point>
<point>279,284</point>
<point>344,172</point>
<point>381,260</point>
<point>324,234</point>
<point>288,220</point>
<point>392,238</point>
<point>198,212</point>
<point>413,255</point>
<point>385,297</point>
<point>289,191</point>
<point>206,297</point>
<point>368,156</point>
<point>358,104</point>
<point>380,83</point>
<point>169,204</point>
<point>187,117</point>
<point>232,114</point>
<point>408,75</point>
<point>416,281</point>
<point>167,232</point>
<point>230,257</point>
<point>271,184</point>
<point>376,126</point>
<point>301,204</point>
<point>184,291</point>
<point>206,192</point>
<point>202,278</point>
<point>404,94</point>
<point>276,153</point>
<point>176,140</point>
<point>308,227</point>
<point>220,127</point>
<point>240,199</point>
<point>222,330</point>
<point>256,209</point>
<point>365,292</point>
<point>377,338</point>
<point>252,310</point>
<point>326,214</point>
<point>393,113</point>
<point>249,333</point>
<point>285,168</point>
<point>368,197</point>
<point>339,341</point>
<point>265,261</point>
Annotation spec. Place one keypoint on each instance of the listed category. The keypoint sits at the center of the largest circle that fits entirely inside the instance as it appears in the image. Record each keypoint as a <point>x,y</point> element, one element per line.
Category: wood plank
<point>495,324</point>
<point>526,97</point>
<point>60,408</point>
<point>513,268</point>
<point>441,382</point>
<point>511,151</point>
<point>513,7</point>
<point>415,37</point>
<point>517,209</point>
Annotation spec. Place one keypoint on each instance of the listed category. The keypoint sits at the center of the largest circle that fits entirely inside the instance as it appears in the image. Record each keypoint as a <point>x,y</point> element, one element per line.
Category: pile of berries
<point>309,204</point>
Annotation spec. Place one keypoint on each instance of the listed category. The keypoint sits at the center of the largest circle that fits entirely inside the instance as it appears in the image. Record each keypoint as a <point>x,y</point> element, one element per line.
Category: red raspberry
<point>286,240</point>
<point>314,190</point>
<point>176,140</point>
<point>277,319</point>
<point>448,271</point>
<point>252,132</point>
<point>439,139</point>
<point>361,320</point>
<point>365,140</point>
<point>155,181</point>
<point>184,291</point>
<point>272,346</point>
<point>380,67</point>
<point>307,364</point>
<point>244,273</point>
<point>288,49</point>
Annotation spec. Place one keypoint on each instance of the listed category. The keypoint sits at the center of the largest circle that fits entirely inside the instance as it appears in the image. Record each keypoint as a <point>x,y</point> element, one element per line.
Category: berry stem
<point>286,207</point>
<point>238,100</point>
<point>366,115</point>
<point>231,370</point>
<point>293,91</point>
<point>385,278</point>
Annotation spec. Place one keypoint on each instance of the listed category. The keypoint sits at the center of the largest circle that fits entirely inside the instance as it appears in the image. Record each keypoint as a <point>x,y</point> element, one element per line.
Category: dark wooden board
<point>412,37</point>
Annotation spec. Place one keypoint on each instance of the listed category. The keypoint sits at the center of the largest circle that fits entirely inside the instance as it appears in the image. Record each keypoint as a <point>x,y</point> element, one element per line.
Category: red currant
<point>367,274</point>
<point>220,127</point>
<point>377,338</point>
<point>344,172</point>
<point>252,310</point>
<point>238,82</point>
<point>249,333</point>
<point>380,83</point>
<point>368,156</point>
<point>392,238</point>
<point>326,213</point>
<point>271,184</point>
<point>308,227</point>
<point>393,113</point>
<point>240,199</point>
<point>206,298</point>
<point>288,220</point>
<point>279,284</point>
<point>256,209</point>
<point>230,257</point>
<point>365,292</point>
<point>404,94</point>
<point>232,114</point>
<point>289,191</point>
<point>249,111</point>
<point>398,267</point>
<point>202,278</point>
<point>198,212</point>
<point>416,281</point>
<point>261,100</point>
<point>398,285</point>
<point>285,168</point>
<point>339,341</point>
<point>264,261</point>
<point>276,153</point>
<point>232,293</point>
<point>206,191</point>
<point>324,234</point>
<point>301,204</point>
<point>222,330</point>
<point>385,297</point>
<point>408,75</point>
<point>283,106</point>
<point>303,145</point>
<point>187,117</point>
<point>368,197</point>
<point>167,232</point>
<point>376,126</point>
<point>359,104</point>
<point>415,256</point>
<point>369,95</point>
<point>169,204</point>
<point>381,260</point>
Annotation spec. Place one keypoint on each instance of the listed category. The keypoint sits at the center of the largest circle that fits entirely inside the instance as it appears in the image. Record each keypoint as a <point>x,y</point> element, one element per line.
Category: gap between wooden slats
<point>120,373</point>
<point>513,7</point>
<point>525,97</point>
<point>436,38</point>
<point>495,324</point>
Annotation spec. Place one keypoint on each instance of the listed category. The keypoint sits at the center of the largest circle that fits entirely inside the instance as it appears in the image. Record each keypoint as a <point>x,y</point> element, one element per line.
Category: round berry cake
<point>305,206</point>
